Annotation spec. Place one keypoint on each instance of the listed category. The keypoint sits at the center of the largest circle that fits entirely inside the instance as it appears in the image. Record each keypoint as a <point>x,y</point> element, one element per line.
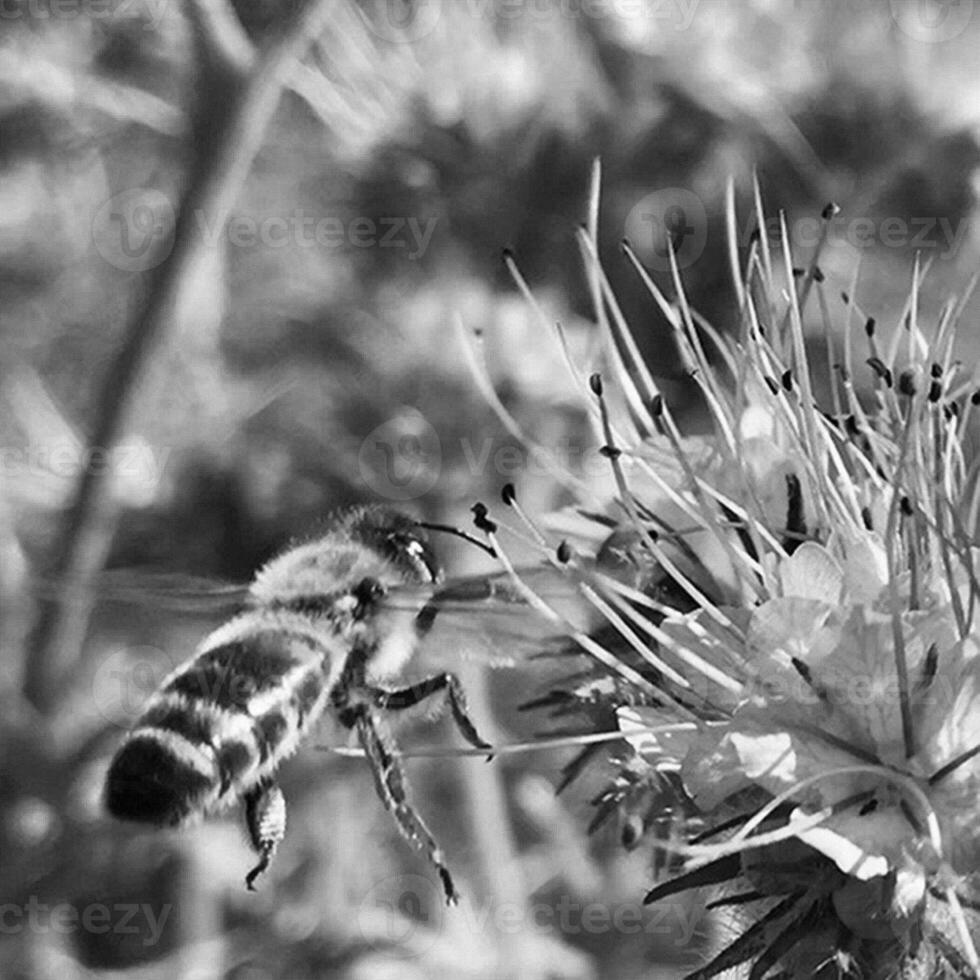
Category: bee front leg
<point>265,816</point>
<point>389,779</point>
<point>408,697</point>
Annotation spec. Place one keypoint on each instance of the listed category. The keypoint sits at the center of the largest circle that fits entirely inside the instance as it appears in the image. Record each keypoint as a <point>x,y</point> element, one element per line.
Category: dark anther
<point>802,669</point>
<point>929,665</point>
<point>881,369</point>
<point>480,519</point>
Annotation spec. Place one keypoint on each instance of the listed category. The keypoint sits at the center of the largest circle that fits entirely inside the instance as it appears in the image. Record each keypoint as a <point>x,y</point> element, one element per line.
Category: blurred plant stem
<point>199,915</point>
<point>229,122</point>
<point>494,845</point>
<point>13,575</point>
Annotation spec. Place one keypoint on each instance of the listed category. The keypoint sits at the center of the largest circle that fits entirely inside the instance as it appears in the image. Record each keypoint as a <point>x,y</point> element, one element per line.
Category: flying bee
<point>329,628</point>
<point>319,634</point>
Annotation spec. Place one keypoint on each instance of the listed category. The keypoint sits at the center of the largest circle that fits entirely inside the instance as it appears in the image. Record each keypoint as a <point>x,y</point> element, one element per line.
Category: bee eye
<point>422,554</point>
<point>366,594</point>
<point>416,553</point>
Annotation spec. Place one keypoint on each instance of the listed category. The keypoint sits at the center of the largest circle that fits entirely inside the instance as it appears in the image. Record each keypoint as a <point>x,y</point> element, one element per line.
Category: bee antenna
<point>456,532</point>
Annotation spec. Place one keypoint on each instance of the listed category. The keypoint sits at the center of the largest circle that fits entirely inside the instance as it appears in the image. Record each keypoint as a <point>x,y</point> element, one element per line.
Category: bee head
<point>397,538</point>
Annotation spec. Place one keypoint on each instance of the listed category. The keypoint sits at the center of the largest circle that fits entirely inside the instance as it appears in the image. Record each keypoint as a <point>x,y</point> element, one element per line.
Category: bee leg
<point>407,697</point>
<point>265,816</point>
<point>389,779</point>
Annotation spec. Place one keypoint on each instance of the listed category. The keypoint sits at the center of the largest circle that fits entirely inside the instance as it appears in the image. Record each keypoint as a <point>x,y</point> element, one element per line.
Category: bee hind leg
<point>265,817</point>
<point>389,779</point>
<point>408,697</point>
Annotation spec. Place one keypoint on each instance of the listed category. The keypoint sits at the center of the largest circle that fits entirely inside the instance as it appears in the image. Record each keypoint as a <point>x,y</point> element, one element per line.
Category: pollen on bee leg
<point>265,816</point>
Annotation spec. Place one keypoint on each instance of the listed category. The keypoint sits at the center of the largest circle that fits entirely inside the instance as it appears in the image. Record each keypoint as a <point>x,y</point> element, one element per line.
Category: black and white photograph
<point>489,489</point>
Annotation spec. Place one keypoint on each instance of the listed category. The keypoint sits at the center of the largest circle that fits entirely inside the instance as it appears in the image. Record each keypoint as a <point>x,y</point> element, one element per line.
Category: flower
<point>794,609</point>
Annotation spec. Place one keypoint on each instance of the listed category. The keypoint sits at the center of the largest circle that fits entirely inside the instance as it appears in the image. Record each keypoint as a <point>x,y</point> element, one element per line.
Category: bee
<point>329,627</point>
<point>320,634</point>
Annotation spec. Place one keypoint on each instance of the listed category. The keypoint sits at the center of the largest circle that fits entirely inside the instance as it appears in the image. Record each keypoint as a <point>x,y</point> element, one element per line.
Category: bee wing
<point>488,618</point>
<point>166,591</point>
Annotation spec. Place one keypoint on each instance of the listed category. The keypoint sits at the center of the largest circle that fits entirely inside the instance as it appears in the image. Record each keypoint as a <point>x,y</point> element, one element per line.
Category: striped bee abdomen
<point>223,722</point>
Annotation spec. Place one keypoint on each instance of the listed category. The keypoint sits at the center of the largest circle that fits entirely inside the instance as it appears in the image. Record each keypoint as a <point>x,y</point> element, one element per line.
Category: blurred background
<point>238,239</point>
